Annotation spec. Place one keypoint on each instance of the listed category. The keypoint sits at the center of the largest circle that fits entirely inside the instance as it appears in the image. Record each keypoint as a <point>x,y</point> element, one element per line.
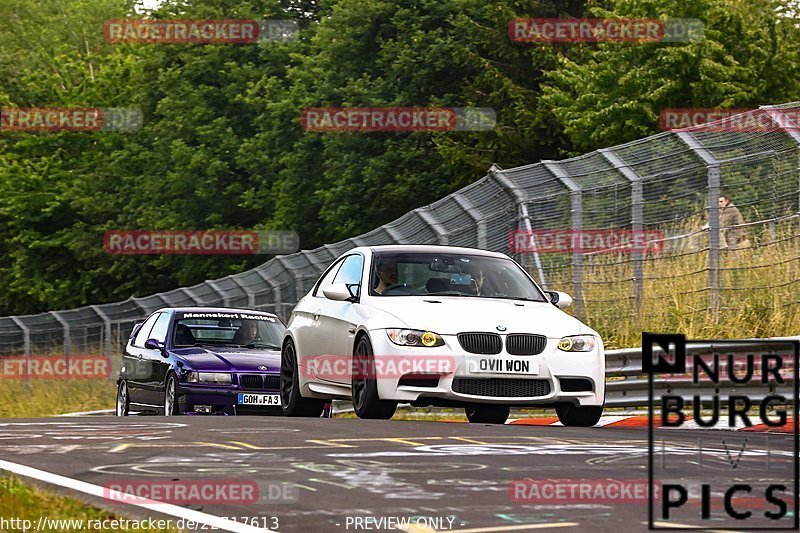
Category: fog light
<point>207,409</point>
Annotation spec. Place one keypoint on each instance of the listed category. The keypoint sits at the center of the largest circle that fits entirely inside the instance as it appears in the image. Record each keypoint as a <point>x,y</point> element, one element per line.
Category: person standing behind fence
<point>733,237</point>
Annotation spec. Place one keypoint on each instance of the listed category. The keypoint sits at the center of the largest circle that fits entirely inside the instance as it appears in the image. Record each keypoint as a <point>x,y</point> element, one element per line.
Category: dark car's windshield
<point>415,274</point>
<point>227,329</point>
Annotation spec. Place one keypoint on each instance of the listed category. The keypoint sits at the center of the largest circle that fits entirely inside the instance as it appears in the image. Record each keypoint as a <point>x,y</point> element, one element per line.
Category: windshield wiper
<point>451,293</point>
<point>520,298</point>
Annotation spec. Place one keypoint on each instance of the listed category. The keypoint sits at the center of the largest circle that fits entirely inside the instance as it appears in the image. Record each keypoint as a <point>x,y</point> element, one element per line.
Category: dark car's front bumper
<point>223,399</point>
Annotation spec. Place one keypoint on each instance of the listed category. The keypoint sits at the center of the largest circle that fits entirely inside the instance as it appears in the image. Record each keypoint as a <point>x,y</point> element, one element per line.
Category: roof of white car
<point>428,248</point>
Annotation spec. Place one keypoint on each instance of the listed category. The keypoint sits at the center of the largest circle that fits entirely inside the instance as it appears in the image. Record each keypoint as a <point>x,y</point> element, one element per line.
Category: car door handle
<point>351,329</point>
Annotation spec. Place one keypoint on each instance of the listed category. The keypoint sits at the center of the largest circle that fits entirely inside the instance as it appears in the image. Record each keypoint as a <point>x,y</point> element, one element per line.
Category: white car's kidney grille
<point>502,387</point>
<point>482,343</point>
<point>525,344</point>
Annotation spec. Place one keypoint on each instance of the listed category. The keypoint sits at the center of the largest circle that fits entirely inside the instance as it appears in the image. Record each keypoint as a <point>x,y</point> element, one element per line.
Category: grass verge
<point>24,501</point>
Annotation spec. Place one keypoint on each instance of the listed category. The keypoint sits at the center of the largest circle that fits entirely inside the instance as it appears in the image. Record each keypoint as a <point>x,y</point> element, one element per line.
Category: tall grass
<point>759,296</point>
<point>51,397</point>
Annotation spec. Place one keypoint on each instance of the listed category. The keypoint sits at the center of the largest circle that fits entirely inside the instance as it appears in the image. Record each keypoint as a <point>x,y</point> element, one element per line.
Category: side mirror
<point>562,300</point>
<point>338,292</point>
<point>153,344</point>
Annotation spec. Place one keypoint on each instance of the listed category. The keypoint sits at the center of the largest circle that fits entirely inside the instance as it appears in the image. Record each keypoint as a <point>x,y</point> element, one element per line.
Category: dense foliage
<point>222,145</point>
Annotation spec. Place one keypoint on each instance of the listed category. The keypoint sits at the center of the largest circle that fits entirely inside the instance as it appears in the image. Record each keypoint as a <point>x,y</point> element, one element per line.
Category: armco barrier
<point>627,385</point>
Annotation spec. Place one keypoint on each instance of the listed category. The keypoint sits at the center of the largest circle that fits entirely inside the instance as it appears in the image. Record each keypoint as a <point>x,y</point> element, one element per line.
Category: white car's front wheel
<point>366,402</point>
<point>292,403</point>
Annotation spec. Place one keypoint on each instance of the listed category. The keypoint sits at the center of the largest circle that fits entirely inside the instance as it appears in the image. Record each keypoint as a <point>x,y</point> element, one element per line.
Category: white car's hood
<point>454,315</point>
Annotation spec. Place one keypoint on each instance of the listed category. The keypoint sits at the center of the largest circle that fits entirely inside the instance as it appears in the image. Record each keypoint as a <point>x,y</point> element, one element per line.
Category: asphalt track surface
<point>340,469</point>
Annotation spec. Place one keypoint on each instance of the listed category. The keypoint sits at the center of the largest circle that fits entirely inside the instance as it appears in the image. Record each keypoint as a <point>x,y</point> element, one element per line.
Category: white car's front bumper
<point>549,373</point>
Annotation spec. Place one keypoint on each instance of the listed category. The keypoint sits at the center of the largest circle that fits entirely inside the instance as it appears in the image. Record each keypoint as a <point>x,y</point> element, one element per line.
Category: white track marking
<point>89,413</point>
<point>521,527</point>
<point>152,505</point>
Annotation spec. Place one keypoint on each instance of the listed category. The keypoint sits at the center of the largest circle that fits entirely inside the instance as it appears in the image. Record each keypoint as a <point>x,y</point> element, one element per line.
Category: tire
<point>292,403</point>
<point>366,402</point>
<point>123,399</point>
<point>487,414</point>
<point>573,415</point>
<point>171,403</point>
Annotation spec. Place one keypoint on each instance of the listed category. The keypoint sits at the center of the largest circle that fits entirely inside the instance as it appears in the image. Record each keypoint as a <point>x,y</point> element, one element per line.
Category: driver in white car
<point>387,276</point>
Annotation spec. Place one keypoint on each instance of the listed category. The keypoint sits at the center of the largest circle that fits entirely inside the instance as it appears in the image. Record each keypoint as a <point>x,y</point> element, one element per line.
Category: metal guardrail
<point>627,384</point>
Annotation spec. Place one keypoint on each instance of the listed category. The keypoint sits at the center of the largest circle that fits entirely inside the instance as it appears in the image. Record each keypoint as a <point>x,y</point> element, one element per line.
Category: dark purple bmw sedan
<point>202,360</point>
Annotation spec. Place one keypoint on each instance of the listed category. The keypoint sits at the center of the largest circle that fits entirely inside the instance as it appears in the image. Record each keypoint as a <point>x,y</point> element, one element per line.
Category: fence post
<point>26,346</point>
<point>65,326</point>
<point>106,328</point>
<point>712,168</point>
<point>480,223</point>
<point>226,300</point>
<point>520,199</point>
<point>795,135</point>
<point>251,296</point>
<point>428,218</point>
<point>576,198</point>
<point>637,223</point>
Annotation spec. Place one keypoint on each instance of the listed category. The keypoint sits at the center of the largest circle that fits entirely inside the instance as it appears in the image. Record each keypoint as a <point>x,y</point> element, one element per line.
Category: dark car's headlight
<point>577,343</point>
<point>414,337</point>
<point>211,378</point>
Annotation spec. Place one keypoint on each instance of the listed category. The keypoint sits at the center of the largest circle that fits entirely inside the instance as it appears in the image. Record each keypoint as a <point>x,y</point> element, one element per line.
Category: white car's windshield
<point>418,274</point>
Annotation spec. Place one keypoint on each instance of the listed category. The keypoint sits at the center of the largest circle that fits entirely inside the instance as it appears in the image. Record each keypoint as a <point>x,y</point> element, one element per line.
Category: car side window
<point>328,278</point>
<point>350,273</point>
<point>144,332</point>
<point>160,328</point>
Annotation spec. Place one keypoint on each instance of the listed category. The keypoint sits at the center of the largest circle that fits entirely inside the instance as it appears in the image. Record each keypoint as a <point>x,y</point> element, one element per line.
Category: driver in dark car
<point>247,332</point>
<point>387,276</point>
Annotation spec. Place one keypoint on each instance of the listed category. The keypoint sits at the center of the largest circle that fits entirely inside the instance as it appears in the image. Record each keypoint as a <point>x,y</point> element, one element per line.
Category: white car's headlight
<point>215,378</point>
<point>414,337</point>
<point>577,343</point>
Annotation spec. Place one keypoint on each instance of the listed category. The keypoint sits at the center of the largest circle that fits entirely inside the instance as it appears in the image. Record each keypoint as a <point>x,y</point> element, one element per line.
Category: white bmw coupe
<point>441,326</point>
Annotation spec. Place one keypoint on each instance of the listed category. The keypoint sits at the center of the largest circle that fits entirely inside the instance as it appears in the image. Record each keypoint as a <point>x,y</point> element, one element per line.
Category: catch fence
<point>665,187</point>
